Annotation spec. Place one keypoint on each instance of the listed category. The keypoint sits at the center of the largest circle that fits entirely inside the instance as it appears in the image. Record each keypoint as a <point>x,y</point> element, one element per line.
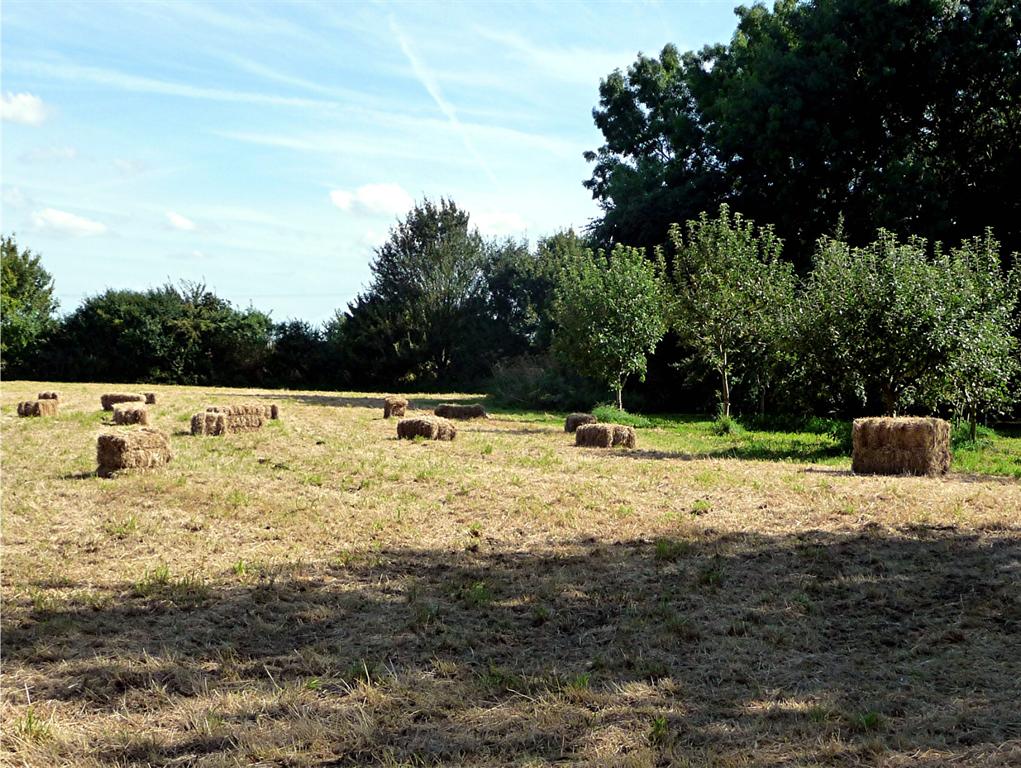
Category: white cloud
<point>499,223</point>
<point>13,197</point>
<point>22,108</point>
<point>66,223</point>
<point>377,199</point>
<point>177,221</point>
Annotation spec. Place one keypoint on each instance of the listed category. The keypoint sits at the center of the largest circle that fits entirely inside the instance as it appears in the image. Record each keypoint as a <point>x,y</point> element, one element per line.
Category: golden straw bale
<point>142,448</point>
<point>150,398</point>
<point>38,408</point>
<point>394,406</point>
<point>223,420</point>
<point>457,411</point>
<point>900,446</point>
<point>108,401</point>
<point>208,423</point>
<point>575,420</point>
<point>247,409</point>
<point>130,413</point>
<point>604,436</point>
<point>429,427</point>
<point>49,396</point>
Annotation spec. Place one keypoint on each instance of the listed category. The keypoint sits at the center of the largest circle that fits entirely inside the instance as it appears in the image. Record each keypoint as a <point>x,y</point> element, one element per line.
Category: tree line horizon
<point>801,220</point>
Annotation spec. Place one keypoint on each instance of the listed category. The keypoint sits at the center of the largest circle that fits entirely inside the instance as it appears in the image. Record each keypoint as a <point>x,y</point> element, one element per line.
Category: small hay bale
<point>394,406</point>
<point>247,409</point>
<point>38,408</point>
<point>429,427</point>
<point>130,413</point>
<point>604,436</point>
<point>150,398</point>
<point>208,423</point>
<point>900,446</point>
<point>143,448</point>
<point>575,420</point>
<point>49,396</point>
<point>457,411</point>
<point>108,401</point>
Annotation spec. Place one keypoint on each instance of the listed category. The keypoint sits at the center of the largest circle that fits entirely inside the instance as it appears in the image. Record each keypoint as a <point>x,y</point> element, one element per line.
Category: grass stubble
<point>319,592</point>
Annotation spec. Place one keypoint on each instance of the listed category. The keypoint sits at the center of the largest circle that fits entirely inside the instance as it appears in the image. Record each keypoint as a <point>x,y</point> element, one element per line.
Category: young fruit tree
<point>609,315</point>
<point>731,293</point>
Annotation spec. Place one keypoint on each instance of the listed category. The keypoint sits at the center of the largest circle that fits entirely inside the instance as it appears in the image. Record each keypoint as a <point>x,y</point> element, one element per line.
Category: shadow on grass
<point>423,403</point>
<point>814,647</point>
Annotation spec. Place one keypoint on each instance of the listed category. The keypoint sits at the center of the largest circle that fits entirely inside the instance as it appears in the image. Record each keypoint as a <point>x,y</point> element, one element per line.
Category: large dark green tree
<point>904,115</point>
<point>27,305</point>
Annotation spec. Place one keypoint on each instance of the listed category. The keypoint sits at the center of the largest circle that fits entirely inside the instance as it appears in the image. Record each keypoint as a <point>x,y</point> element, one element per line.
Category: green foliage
<point>886,327</point>
<point>542,382</point>
<point>724,424</point>
<point>895,114</point>
<point>610,414</point>
<point>609,315</point>
<point>732,295</point>
<point>26,305</point>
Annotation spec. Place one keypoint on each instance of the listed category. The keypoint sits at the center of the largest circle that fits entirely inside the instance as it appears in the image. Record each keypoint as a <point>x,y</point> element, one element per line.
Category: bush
<point>726,425</point>
<point>960,436</point>
<point>538,381</point>
<point>610,414</point>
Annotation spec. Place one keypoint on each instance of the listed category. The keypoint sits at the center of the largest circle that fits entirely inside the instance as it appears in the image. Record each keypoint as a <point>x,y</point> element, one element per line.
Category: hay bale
<point>108,401</point>
<point>900,446</point>
<point>394,406</point>
<point>604,436</point>
<point>246,409</point>
<point>143,448</point>
<point>150,398</point>
<point>38,408</point>
<point>49,396</point>
<point>457,411</point>
<point>575,420</point>
<point>226,420</point>
<point>429,427</point>
<point>130,413</point>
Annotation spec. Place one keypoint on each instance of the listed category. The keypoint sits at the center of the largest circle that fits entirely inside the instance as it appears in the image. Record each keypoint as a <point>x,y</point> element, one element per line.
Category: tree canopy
<point>27,304</point>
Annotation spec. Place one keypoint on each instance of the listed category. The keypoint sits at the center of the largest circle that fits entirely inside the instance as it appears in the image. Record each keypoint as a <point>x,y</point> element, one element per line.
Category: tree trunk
<point>620,397</point>
<point>726,387</point>
<point>973,424</point>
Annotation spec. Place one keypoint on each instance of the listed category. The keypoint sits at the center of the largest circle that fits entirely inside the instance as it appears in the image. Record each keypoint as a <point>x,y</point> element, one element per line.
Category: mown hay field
<point>318,592</point>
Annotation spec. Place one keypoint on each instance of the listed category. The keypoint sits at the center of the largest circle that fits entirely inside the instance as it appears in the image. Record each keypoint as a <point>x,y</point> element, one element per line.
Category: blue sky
<point>267,148</point>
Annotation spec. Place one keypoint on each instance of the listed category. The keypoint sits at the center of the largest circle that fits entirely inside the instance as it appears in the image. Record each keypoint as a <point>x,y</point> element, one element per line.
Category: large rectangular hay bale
<point>38,408</point>
<point>605,436</point>
<point>224,422</point>
<point>49,395</point>
<point>900,446</point>
<point>394,406</point>
<point>575,420</point>
<point>143,448</point>
<point>109,400</point>
<point>429,427</point>
<point>458,411</point>
<point>247,409</point>
<point>130,413</point>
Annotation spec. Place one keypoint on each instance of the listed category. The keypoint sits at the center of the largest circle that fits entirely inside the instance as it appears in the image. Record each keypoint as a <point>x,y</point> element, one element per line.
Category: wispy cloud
<point>428,81</point>
<point>379,199</point>
<point>24,108</point>
<point>571,64</point>
<point>177,221</point>
<point>499,223</point>
<point>49,154</point>
<point>64,223</point>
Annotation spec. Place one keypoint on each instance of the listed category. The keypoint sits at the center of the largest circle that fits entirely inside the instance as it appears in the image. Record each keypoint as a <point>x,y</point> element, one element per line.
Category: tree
<point>425,316</point>
<point>27,304</point>
<point>731,293</point>
<point>609,315</point>
<point>903,115</point>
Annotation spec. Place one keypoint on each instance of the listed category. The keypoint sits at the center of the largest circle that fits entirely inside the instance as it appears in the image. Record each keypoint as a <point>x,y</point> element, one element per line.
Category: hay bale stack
<point>130,413</point>
<point>394,406</point>
<point>463,412</point>
<point>246,409</point>
<point>38,408</point>
<point>220,422</point>
<point>49,396</point>
<point>429,427</point>
<point>108,401</point>
<point>143,448</point>
<point>900,446</point>
<point>604,436</point>
<point>575,420</point>
<point>150,398</point>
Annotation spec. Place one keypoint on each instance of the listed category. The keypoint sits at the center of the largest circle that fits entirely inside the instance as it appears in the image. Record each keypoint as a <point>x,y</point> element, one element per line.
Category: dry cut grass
<point>320,593</point>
